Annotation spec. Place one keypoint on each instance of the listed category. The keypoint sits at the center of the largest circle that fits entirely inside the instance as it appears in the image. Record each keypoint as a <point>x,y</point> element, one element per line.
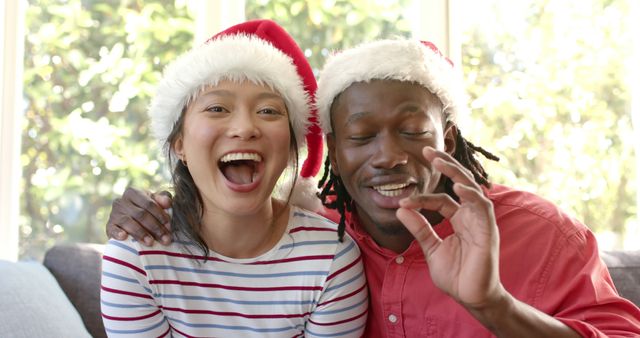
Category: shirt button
<point>393,319</point>
<point>399,259</point>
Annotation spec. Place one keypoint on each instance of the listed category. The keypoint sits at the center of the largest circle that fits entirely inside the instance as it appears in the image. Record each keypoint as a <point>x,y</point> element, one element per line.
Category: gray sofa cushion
<point>33,305</point>
<point>624,267</point>
<point>78,268</point>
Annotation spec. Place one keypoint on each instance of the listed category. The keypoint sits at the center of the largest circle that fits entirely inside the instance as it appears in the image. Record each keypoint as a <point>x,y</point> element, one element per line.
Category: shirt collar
<point>364,239</point>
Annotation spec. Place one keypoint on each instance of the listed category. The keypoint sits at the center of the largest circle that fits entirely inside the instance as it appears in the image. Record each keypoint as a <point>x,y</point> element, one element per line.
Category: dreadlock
<point>465,154</point>
<point>334,196</point>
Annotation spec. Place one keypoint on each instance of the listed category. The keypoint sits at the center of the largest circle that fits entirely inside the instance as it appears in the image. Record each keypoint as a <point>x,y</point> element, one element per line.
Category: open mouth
<point>391,190</point>
<point>240,168</point>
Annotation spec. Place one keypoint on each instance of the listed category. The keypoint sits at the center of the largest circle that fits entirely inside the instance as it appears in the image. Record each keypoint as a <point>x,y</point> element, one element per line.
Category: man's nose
<point>243,125</point>
<point>389,153</point>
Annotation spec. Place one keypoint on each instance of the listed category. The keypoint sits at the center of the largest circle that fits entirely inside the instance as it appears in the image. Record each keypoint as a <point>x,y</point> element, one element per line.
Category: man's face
<point>379,131</point>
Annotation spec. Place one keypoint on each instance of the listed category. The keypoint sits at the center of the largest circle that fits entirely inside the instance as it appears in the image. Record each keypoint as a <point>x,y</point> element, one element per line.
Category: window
<point>90,67</point>
<point>552,88</point>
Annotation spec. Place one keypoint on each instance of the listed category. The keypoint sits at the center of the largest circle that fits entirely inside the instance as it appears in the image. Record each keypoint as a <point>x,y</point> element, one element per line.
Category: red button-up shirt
<point>547,260</point>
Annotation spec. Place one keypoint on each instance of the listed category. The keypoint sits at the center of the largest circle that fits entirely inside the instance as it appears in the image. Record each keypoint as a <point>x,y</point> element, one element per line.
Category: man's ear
<point>331,152</point>
<point>450,136</point>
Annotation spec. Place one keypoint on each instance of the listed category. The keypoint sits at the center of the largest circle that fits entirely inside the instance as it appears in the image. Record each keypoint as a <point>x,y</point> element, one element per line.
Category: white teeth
<point>391,190</point>
<point>241,157</point>
<point>391,186</point>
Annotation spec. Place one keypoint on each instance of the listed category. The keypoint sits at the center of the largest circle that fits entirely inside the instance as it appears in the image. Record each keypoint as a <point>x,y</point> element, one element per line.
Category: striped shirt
<point>309,284</point>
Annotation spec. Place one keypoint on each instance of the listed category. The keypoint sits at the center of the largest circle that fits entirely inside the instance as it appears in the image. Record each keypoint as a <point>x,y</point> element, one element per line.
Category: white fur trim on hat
<point>402,60</point>
<point>302,194</point>
<point>305,194</point>
<point>231,57</point>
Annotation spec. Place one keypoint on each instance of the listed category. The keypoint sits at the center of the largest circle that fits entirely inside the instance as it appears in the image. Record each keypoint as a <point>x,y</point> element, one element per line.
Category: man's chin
<point>388,224</point>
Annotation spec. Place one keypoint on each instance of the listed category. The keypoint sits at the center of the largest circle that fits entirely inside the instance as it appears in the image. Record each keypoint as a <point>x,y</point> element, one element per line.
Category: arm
<point>588,301</point>
<point>141,215</point>
<point>342,308</point>
<point>127,305</point>
<point>465,264</point>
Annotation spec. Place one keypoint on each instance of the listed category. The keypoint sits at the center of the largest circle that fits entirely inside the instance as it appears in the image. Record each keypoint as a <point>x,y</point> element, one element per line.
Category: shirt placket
<point>393,288</point>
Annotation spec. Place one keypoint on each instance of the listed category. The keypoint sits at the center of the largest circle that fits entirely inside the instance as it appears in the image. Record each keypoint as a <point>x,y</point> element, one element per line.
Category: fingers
<point>442,203</point>
<point>482,208</point>
<point>137,214</point>
<point>449,166</point>
<point>420,229</point>
<point>470,194</point>
<point>122,219</point>
<point>146,202</point>
<point>163,199</point>
<point>114,231</point>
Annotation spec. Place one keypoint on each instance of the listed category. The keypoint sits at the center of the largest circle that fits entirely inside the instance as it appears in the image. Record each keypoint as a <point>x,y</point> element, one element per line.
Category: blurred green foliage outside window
<point>550,92</point>
<point>547,98</point>
<point>90,69</point>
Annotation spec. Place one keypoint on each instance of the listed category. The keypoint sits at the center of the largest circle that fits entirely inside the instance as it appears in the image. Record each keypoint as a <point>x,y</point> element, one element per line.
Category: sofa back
<point>624,267</point>
<point>78,268</point>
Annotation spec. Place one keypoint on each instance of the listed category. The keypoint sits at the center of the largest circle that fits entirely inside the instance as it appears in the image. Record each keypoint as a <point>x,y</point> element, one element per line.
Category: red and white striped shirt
<point>309,284</point>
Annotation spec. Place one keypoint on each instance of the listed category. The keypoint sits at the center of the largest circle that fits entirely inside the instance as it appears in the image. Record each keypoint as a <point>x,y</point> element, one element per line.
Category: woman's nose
<point>243,125</point>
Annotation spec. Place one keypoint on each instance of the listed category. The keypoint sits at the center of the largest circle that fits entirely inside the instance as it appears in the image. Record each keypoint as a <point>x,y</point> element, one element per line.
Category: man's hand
<point>465,264</point>
<point>142,216</point>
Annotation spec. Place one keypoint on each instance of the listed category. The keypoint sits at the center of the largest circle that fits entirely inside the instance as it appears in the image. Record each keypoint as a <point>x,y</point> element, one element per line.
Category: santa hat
<point>259,51</point>
<point>404,60</point>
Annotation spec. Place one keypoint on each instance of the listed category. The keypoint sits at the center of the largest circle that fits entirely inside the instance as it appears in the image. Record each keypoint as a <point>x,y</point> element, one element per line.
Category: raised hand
<point>140,215</point>
<point>465,264</point>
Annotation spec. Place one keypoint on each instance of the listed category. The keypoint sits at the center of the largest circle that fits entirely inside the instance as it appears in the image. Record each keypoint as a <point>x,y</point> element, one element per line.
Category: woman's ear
<point>178,148</point>
<point>450,136</point>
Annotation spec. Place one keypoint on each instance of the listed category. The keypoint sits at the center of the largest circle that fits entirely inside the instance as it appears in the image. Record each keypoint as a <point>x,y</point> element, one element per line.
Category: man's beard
<point>392,228</point>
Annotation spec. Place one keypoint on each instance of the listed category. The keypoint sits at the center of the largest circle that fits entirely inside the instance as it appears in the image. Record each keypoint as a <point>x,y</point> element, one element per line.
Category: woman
<point>244,263</point>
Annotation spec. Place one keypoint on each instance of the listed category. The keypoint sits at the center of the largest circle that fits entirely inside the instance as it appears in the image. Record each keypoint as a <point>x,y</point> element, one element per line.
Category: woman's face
<point>236,143</point>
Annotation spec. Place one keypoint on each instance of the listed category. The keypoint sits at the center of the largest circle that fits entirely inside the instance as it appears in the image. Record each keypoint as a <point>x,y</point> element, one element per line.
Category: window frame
<point>10,125</point>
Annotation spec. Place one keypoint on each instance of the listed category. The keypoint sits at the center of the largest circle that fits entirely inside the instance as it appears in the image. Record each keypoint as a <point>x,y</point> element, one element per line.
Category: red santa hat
<point>404,60</point>
<point>259,51</point>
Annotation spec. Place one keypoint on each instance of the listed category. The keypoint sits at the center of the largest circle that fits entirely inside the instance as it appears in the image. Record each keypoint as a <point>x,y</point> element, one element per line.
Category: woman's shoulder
<point>305,221</point>
<point>132,248</point>
<point>126,247</point>
<point>311,227</point>
<point>308,217</point>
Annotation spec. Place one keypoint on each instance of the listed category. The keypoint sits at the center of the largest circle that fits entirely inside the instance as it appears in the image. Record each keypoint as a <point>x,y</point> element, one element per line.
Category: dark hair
<point>188,206</point>
<point>335,196</point>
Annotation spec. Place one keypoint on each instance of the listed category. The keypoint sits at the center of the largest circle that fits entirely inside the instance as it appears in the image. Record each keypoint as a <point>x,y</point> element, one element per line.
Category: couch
<point>61,296</point>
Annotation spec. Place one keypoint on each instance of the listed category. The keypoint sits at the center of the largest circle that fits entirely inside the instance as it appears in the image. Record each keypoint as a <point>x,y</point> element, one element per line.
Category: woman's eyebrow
<point>219,92</point>
<point>269,95</point>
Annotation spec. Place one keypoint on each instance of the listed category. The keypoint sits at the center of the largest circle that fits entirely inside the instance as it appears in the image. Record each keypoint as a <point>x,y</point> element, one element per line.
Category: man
<point>477,259</point>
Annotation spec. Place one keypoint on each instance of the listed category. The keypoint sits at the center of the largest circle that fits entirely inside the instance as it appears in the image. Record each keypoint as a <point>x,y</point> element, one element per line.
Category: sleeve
<point>584,295</point>
<point>342,308</point>
<point>128,307</point>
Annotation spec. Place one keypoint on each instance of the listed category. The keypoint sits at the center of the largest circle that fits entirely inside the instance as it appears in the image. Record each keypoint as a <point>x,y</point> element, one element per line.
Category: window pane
<point>321,27</point>
<point>550,94</point>
<point>90,69</point>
